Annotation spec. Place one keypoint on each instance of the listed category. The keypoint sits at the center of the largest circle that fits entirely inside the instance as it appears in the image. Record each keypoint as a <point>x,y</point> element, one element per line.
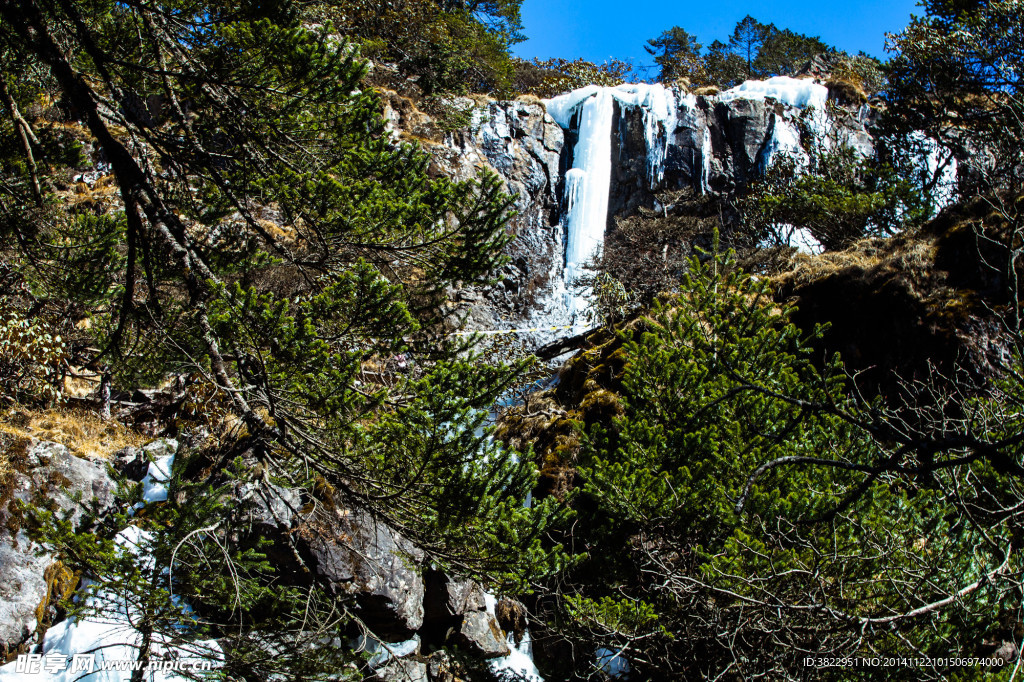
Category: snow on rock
<point>795,92</point>
<point>109,638</point>
<point>154,484</point>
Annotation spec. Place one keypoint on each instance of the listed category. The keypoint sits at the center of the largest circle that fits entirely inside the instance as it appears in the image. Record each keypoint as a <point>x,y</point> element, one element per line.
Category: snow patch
<point>795,92</point>
<point>110,637</point>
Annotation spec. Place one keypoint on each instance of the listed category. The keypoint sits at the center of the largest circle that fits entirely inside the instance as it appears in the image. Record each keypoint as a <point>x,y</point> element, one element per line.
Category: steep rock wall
<point>577,161</point>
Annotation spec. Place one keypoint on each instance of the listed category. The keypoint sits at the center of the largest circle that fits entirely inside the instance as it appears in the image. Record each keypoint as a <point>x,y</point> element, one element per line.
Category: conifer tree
<point>678,54</point>
<point>263,234</point>
<point>741,513</point>
<point>747,39</point>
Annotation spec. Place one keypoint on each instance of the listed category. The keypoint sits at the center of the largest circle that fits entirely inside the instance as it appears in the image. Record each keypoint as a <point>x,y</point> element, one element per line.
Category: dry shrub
<point>846,92</point>
<point>32,359</point>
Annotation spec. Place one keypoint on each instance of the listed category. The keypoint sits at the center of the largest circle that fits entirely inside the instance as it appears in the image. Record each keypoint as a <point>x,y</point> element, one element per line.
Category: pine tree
<point>738,514</point>
<point>678,54</point>
<point>747,39</point>
<point>264,234</point>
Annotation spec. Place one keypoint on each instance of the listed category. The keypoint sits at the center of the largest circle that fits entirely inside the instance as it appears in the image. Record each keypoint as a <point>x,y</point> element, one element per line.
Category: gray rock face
<point>447,600</point>
<point>402,670</point>
<point>22,589</point>
<point>480,634</point>
<point>51,470</point>
<point>354,554</point>
<point>519,142</point>
<point>718,146</point>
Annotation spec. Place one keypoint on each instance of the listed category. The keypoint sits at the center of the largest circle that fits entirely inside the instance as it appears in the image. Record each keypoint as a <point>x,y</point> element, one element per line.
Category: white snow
<point>383,653</point>
<point>563,107</point>
<point>587,184</point>
<point>705,161</point>
<point>519,663</point>
<point>936,162</point>
<point>110,636</point>
<point>795,92</point>
<point>154,484</point>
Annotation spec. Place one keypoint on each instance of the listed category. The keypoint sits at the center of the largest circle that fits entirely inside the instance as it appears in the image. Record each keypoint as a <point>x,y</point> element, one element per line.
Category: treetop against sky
<point>599,29</point>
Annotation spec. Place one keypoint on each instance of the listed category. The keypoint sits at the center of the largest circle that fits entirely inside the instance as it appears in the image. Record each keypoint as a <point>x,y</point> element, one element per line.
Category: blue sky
<point>599,29</point>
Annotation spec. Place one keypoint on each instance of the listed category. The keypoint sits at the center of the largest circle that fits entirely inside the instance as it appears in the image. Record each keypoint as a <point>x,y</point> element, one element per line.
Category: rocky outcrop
<point>719,146</point>
<point>31,581</point>
<point>522,145</point>
<point>710,144</point>
<point>354,554</point>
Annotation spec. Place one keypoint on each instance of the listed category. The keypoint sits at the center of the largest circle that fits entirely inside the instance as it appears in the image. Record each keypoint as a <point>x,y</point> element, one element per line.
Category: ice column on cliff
<point>587,184</point>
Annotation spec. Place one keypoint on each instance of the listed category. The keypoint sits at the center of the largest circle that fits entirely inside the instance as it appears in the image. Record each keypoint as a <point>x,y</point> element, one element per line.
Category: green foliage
<point>754,50</point>
<point>845,198</point>
<point>32,360</point>
<point>190,570</point>
<point>677,53</point>
<point>264,234</point>
<point>551,77</point>
<point>784,52</point>
<point>448,47</point>
<point>956,77</point>
<point>729,517</point>
<point>862,70</point>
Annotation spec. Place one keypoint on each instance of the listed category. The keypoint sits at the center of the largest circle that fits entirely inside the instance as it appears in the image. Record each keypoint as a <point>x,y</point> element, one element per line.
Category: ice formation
<point>588,183</point>
<point>795,92</point>
<point>518,665</point>
<point>109,637</point>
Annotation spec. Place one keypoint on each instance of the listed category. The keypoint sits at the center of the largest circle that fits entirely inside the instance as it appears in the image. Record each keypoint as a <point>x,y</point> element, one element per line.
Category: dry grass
<point>531,99</point>
<point>846,91</point>
<point>707,91</point>
<point>80,431</point>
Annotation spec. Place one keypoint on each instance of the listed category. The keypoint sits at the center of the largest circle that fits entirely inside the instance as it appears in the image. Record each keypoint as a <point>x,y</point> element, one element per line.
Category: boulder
<point>355,554</point>
<point>22,590</point>
<point>402,670</point>
<point>480,634</point>
<point>28,575</point>
<point>446,599</point>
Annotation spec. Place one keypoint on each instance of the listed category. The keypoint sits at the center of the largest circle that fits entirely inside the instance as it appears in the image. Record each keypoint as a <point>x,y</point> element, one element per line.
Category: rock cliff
<point>578,161</point>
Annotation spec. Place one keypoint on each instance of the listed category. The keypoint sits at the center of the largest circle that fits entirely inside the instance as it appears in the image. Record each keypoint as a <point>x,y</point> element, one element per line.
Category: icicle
<point>588,187</point>
<point>705,161</point>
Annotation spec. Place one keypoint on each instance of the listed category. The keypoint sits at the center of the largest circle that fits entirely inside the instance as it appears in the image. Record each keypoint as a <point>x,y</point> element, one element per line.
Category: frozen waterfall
<point>588,183</point>
<point>591,112</point>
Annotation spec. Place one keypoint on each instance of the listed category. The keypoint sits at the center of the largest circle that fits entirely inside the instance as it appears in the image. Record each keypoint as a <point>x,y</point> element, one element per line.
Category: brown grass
<point>80,431</point>
<point>531,99</point>
<point>846,92</point>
